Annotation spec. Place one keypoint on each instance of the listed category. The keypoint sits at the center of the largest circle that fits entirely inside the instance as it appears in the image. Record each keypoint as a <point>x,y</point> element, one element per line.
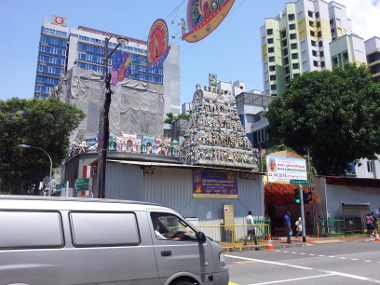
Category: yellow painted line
<point>242,262</point>
<point>327,241</point>
<point>232,283</point>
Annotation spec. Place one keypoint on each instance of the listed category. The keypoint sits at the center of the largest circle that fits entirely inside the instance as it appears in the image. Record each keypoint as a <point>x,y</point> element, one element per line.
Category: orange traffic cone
<point>270,246</point>
<point>377,236</point>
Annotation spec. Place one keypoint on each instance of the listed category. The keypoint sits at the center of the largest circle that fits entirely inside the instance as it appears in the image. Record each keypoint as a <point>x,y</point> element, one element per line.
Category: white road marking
<point>307,268</point>
<point>293,279</point>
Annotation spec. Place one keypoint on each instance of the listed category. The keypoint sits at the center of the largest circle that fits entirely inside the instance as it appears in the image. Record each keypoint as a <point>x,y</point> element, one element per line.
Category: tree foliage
<point>41,123</point>
<point>336,114</point>
<point>170,118</point>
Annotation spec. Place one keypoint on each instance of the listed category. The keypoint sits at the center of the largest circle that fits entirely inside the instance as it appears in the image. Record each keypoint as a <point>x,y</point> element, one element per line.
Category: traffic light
<point>307,197</point>
<point>297,195</point>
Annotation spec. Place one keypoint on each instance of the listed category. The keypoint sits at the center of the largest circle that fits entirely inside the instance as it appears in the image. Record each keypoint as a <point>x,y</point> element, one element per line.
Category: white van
<point>54,241</point>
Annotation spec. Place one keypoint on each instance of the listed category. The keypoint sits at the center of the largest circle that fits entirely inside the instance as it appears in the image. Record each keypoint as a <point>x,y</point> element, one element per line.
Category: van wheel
<point>183,282</point>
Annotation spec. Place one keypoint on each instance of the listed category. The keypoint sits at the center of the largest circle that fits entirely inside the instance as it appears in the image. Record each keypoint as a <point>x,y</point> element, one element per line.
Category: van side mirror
<point>201,237</point>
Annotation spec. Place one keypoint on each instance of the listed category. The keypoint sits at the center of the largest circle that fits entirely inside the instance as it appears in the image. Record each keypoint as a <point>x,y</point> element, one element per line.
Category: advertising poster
<point>284,169</point>
<point>210,184</point>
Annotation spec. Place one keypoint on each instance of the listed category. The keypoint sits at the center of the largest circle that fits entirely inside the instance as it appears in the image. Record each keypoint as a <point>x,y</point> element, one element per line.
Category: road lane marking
<point>307,268</point>
<point>293,279</point>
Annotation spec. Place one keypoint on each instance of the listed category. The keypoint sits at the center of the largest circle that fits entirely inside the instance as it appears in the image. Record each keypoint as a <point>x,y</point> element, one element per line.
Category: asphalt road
<point>345,263</point>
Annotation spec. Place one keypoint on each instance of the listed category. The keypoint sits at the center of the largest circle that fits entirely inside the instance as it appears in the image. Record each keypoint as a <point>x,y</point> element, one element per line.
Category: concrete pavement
<point>280,242</point>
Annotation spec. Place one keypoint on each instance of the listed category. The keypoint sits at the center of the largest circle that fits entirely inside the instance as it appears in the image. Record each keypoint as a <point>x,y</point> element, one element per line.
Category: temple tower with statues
<point>215,135</point>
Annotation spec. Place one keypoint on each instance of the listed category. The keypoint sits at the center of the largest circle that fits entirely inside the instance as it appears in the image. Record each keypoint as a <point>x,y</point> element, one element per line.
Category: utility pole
<point>302,215</point>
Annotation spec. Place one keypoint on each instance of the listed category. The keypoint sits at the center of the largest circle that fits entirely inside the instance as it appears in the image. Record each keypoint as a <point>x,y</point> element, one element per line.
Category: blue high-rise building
<point>61,48</point>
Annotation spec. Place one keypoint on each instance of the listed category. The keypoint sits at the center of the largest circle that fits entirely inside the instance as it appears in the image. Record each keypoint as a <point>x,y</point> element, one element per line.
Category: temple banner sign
<point>210,184</point>
<point>284,169</point>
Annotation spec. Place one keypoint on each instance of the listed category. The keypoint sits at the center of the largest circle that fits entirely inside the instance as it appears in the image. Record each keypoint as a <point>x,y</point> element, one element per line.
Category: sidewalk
<point>280,242</point>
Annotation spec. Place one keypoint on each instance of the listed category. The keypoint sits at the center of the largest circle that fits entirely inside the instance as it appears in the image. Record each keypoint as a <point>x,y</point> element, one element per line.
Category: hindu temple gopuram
<point>216,135</point>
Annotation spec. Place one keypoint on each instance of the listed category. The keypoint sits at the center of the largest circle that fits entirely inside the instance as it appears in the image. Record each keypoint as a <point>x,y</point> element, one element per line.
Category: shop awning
<point>355,207</point>
<point>282,194</point>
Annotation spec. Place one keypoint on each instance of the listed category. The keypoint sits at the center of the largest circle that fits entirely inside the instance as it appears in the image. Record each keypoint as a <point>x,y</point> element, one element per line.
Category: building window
<point>293,46</point>
<point>314,53</point>
<point>273,87</point>
<point>283,34</point>
<point>291,17</point>
<point>322,64</point>
<point>321,54</point>
<point>310,14</point>
<point>331,21</point>
<point>320,43</point>
<point>287,70</point>
<point>272,77</point>
<point>345,57</point>
<point>335,61</point>
<point>271,49</point>
<point>317,15</point>
<point>295,66</point>
<point>369,166</point>
<point>311,23</point>
<point>269,31</point>
<point>313,43</point>
<point>284,43</point>
<point>294,55</point>
<point>271,59</point>
<point>318,24</point>
<point>272,68</point>
<point>270,41</point>
<point>312,33</point>
<point>293,36</point>
<point>286,61</point>
<point>287,79</point>
<point>315,63</point>
<point>319,34</point>
<point>292,27</point>
<point>296,75</point>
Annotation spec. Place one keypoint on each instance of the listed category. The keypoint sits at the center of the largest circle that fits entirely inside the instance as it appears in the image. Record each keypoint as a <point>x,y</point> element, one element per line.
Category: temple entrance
<point>278,199</point>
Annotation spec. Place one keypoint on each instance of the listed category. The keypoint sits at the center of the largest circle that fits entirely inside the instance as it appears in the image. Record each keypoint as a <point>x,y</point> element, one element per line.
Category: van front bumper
<point>221,278</point>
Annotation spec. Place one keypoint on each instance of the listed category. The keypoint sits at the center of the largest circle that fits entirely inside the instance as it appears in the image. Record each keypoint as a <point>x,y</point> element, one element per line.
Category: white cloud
<point>364,15</point>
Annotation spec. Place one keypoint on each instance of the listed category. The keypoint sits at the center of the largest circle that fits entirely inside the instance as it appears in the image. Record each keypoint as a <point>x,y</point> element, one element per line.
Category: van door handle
<point>166,253</point>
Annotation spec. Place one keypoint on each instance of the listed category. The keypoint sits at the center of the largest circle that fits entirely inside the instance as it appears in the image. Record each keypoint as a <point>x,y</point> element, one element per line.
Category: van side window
<point>30,229</point>
<point>95,229</point>
<point>170,227</point>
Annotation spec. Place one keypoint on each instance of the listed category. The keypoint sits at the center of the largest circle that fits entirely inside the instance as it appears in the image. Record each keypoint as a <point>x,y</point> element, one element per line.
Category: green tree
<point>336,114</point>
<point>170,118</point>
<point>41,123</point>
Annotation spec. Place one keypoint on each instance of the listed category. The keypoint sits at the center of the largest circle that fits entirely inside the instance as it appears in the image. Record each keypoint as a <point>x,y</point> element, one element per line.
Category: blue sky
<point>232,51</point>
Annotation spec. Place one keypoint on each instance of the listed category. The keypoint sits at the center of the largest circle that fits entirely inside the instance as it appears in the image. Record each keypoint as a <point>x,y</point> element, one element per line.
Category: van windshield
<point>169,226</point>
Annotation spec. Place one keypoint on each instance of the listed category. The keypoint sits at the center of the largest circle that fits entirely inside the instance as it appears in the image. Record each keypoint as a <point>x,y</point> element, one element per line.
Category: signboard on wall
<point>284,169</point>
<point>212,184</point>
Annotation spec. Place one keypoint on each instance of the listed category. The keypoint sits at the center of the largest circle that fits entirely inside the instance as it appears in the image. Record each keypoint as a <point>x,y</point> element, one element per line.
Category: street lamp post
<point>51,163</point>
<point>103,137</point>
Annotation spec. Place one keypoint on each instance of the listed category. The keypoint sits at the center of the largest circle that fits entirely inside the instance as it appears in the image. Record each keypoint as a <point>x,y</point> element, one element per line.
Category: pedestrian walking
<point>369,222</point>
<point>299,227</point>
<point>288,227</point>
<point>374,221</point>
<point>251,232</point>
